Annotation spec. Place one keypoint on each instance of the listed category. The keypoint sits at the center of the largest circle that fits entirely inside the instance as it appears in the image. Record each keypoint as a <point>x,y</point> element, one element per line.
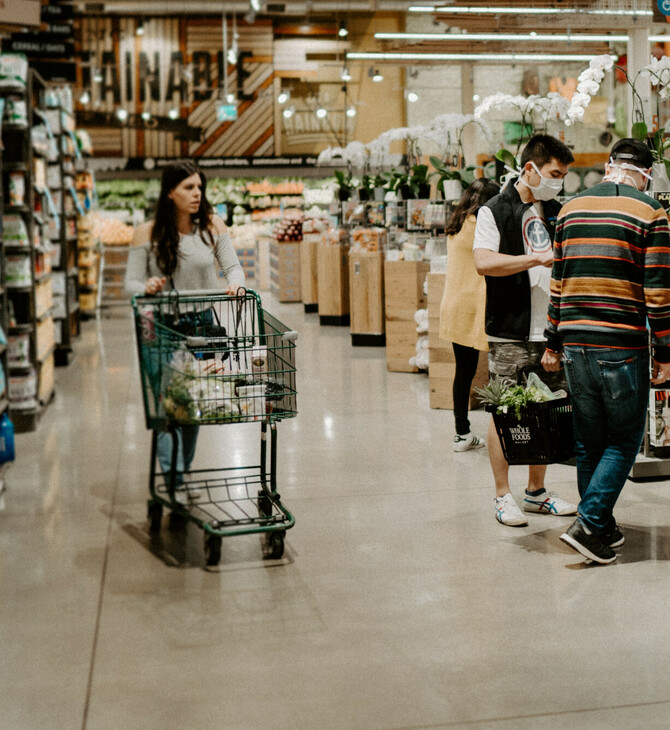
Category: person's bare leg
<point>536,474</point>
<point>499,465</point>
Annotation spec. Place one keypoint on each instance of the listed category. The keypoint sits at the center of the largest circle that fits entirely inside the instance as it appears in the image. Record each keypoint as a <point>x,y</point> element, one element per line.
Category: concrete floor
<point>400,601</point>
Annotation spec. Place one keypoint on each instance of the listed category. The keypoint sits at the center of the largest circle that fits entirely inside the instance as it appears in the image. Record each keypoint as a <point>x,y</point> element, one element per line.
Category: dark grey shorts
<point>515,360</point>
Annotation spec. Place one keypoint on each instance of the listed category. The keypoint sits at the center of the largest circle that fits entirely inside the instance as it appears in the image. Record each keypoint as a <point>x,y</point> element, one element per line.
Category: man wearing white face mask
<point>513,249</point>
<point>609,288</point>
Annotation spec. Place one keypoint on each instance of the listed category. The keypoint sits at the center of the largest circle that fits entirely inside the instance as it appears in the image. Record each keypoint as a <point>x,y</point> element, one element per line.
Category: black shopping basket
<point>543,434</point>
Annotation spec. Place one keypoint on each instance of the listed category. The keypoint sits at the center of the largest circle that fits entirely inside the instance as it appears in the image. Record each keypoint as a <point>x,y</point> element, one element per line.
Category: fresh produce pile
<point>288,229</point>
<point>508,396</point>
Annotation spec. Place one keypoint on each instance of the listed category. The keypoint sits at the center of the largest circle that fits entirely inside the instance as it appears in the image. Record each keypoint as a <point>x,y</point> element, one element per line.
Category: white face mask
<point>617,174</point>
<point>548,188</point>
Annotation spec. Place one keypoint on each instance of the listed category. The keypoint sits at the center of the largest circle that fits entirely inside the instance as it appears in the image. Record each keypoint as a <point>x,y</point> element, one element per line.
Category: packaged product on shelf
<point>659,418</point>
<point>40,139</point>
<point>17,188</point>
<point>353,211</point>
<point>13,69</point>
<point>15,112</point>
<point>334,237</point>
<point>416,214</point>
<point>18,270</point>
<point>23,389</point>
<point>368,239</point>
<point>315,224</point>
<point>18,350</point>
<point>376,215</point>
<point>14,230</point>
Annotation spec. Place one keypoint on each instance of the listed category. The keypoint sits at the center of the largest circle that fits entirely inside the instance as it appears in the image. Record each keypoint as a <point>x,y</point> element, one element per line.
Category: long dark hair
<point>165,236</point>
<point>476,194</point>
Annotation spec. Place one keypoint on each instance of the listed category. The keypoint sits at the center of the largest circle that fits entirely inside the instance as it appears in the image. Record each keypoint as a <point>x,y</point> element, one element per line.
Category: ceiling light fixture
<point>283,97</point>
<point>373,73</point>
<point>351,111</point>
<point>510,57</point>
<point>173,113</point>
<point>122,114</point>
<point>288,113</point>
<point>523,11</point>
<point>563,37</point>
<point>146,116</point>
<point>230,98</point>
<point>412,96</point>
<point>85,98</point>
<point>343,32</point>
<point>345,74</point>
<point>321,113</point>
<point>139,30</point>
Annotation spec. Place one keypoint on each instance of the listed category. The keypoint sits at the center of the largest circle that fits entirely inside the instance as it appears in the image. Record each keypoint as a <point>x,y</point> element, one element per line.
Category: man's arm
<point>491,263</point>
<point>657,292</point>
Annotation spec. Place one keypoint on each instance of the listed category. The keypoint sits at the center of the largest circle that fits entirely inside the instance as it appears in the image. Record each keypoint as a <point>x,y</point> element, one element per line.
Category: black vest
<point>508,297</point>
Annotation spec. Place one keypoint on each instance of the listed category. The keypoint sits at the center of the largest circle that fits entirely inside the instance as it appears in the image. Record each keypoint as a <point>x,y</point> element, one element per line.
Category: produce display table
<point>403,283</point>
<point>333,276</point>
<point>309,271</point>
<point>366,295</point>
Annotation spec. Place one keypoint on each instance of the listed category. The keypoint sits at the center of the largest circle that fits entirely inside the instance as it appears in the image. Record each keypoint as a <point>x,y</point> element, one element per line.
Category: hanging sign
<point>226,112</point>
<point>20,12</point>
<point>38,45</point>
<point>661,11</point>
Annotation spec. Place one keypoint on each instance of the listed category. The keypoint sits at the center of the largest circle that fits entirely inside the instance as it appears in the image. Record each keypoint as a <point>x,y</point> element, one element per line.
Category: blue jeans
<point>187,437</point>
<point>610,392</point>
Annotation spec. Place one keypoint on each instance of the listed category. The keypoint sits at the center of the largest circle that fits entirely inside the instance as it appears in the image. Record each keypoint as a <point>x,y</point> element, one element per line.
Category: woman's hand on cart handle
<point>154,285</point>
<point>236,290</point>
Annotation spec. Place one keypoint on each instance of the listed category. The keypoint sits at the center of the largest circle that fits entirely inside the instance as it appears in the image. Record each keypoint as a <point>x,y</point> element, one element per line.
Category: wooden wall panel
<point>137,69</point>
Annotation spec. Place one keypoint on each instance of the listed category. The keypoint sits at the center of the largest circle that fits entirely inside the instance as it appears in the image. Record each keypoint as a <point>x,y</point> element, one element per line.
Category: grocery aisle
<point>400,602</point>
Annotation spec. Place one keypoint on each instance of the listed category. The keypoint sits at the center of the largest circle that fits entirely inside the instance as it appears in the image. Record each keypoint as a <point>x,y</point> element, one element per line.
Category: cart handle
<point>290,336</point>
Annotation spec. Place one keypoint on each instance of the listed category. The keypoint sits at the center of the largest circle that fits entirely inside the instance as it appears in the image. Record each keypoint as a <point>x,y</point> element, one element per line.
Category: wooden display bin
<point>366,295</point>
<point>309,271</point>
<point>403,284</point>
<point>333,274</point>
<point>441,363</point>
<point>285,270</point>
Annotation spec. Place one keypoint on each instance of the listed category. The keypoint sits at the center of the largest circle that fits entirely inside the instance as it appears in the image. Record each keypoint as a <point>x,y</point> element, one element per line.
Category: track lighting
<point>321,113</point>
<point>345,75</point>
<point>146,116</point>
<point>283,97</point>
<point>85,98</point>
<point>343,32</point>
<point>375,74</point>
<point>173,113</point>
<point>139,30</point>
<point>122,114</point>
<point>351,111</point>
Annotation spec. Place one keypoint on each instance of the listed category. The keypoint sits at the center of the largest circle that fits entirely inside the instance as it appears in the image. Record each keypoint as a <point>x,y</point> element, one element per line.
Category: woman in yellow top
<point>463,305</point>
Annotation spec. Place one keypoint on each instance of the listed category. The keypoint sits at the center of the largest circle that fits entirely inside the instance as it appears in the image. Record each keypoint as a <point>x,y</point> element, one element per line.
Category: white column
<point>467,107</point>
<point>638,57</point>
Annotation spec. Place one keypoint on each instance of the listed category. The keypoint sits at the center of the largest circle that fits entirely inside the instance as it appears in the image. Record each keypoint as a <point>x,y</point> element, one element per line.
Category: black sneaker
<point>590,546</point>
<point>614,538</point>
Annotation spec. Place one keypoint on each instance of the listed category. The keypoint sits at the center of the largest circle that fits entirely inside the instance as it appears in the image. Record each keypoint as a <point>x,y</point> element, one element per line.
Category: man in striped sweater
<point>610,283</point>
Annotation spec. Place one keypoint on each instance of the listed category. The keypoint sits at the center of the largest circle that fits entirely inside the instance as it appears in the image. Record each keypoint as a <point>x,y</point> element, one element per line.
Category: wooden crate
<point>366,294</point>
<point>442,365</point>
<point>309,271</point>
<point>285,270</point>
<point>333,273</point>
<point>403,286</point>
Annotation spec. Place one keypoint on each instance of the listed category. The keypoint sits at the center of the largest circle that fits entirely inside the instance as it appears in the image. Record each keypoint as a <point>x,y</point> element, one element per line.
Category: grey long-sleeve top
<point>196,268</point>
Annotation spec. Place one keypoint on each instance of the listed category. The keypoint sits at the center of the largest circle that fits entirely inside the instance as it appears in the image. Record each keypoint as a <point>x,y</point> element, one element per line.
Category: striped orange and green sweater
<point>611,275</point>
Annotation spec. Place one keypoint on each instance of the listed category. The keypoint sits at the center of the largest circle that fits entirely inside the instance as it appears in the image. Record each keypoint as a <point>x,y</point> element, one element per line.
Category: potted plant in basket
<point>344,184</point>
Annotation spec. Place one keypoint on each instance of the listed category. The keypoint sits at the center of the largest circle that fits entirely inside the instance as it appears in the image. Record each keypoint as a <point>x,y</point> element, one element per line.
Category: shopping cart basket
<point>207,358</point>
<point>543,434</point>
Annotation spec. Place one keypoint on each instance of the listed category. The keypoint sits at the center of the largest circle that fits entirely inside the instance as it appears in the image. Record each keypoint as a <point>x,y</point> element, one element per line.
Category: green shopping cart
<point>208,358</point>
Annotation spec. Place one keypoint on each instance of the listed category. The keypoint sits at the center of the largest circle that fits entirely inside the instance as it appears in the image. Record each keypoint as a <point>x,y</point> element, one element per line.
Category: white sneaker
<point>507,512</point>
<point>467,442</point>
<point>549,504</point>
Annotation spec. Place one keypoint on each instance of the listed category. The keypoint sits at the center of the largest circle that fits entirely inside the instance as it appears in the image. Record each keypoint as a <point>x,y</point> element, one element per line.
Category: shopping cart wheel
<point>274,544</point>
<point>264,504</point>
<point>155,515</point>
<point>212,549</point>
